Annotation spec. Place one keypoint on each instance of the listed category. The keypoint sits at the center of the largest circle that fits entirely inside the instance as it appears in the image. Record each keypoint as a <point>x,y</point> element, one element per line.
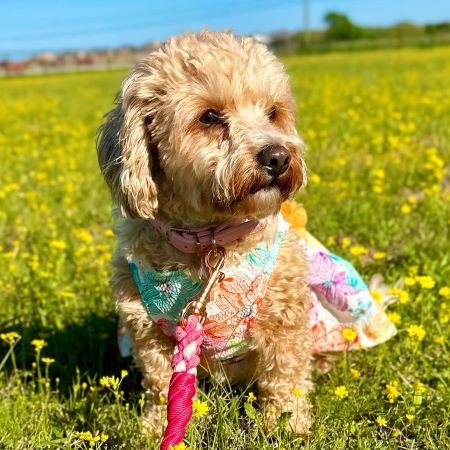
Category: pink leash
<point>182,389</point>
<point>186,356</point>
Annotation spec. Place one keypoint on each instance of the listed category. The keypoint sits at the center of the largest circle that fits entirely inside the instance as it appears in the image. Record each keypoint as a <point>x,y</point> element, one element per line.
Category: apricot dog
<point>203,132</point>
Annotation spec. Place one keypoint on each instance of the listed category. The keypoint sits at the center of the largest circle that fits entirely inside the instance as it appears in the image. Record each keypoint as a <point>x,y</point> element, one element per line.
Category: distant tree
<point>341,28</point>
<point>404,30</point>
<point>436,28</point>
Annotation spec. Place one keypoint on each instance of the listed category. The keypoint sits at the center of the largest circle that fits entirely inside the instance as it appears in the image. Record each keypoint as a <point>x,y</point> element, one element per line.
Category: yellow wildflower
<point>419,388</point>
<point>124,373</point>
<point>439,340</point>
<point>59,245</point>
<point>426,282</point>
<point>410,417</point>
<point>47,361</point>
<point>354,373</point>
<point>444,291</point>
<point>10,338</point>
<point>379,255</point>
<point>377,295</point>
<point>349,334</point>
<point>104,437</point>
<point>381,421</point>
<point>409,281</point>
<point>250,397</point>
<point>392,391</point>
<point>200,408</point>
<point>109,382</point>
<point>345,242</point>
<point>341,392</point>
<point>394,317</point>
<point>416,332</point>
<point>297,392</point>
<point>315,178</point>
<point>38,344</point>
<point>358,250</point>
<point>180,446</point>
<point>405,209</point>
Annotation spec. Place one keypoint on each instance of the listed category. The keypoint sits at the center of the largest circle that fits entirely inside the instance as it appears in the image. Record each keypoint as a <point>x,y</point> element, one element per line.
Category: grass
<point>378,137</point>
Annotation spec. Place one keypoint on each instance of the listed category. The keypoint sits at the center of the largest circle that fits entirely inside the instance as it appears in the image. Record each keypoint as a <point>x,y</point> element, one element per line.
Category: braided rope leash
<point>186,356</point>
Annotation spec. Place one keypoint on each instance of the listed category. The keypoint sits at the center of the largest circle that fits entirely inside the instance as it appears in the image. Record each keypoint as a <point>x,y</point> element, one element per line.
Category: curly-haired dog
<point>204,133</point>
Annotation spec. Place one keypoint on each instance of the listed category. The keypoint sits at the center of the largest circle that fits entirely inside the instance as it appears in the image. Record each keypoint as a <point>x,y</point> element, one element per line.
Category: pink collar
<point>198,240</point>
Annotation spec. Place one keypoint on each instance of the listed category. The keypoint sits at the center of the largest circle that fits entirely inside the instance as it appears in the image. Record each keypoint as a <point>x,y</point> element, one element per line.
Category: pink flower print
<point>328,278</point>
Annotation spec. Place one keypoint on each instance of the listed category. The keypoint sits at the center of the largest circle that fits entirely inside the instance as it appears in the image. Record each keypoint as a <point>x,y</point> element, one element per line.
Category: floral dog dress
<point>340,300</point>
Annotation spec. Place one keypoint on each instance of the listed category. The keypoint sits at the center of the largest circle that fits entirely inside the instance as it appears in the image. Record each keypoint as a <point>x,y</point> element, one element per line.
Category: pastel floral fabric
<point>339,299</point>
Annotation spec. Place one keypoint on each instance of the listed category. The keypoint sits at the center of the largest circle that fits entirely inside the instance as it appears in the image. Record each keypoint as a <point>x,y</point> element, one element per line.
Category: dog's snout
<point>275,159</point>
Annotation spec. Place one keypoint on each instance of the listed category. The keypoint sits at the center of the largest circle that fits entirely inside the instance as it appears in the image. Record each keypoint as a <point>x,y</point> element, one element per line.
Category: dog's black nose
<point>275,159</point>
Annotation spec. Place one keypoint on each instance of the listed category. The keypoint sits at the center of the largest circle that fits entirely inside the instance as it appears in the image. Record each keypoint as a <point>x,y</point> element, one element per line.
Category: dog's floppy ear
<point>124,151</point>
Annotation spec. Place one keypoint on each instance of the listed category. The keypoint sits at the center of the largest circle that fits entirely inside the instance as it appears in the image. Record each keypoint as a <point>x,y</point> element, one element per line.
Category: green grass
<point>378,134</point>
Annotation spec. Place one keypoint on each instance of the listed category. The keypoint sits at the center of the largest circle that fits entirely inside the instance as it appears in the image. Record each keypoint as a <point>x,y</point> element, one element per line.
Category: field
<point>378,134</point>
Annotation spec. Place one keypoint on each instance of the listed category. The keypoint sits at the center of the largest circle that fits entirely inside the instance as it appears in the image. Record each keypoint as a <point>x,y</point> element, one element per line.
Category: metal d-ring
<point>213,241</point>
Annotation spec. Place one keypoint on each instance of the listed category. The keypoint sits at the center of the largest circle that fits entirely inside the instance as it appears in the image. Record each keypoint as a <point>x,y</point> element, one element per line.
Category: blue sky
<point>30,26</point>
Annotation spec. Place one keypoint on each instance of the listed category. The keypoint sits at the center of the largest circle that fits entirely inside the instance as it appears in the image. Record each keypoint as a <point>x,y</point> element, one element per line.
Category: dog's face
<point>204,129</point>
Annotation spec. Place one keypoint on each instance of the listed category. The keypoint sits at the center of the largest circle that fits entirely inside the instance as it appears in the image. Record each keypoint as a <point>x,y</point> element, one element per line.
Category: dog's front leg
<point>152,350</point>
<point>282,339</point>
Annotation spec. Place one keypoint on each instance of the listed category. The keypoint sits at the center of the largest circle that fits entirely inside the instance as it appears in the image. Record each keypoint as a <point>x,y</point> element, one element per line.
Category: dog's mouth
<point>273,184</point>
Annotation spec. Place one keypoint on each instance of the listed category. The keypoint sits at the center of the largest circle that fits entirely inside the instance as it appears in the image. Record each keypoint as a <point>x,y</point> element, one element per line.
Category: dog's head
<point>204,129</point>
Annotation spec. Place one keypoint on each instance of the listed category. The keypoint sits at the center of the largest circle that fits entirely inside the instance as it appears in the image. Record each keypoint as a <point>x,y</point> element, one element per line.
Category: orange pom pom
<point>295,215</point>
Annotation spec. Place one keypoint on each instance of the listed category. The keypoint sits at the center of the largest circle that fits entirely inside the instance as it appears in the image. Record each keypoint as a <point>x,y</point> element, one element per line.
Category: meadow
<point>377,129</point>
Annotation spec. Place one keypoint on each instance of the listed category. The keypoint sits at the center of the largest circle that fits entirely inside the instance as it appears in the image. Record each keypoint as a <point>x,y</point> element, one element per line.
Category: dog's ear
<point>124,152</point>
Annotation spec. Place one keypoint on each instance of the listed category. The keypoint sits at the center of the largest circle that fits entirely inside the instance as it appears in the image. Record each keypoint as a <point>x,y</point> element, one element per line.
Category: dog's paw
<point>292,418</point>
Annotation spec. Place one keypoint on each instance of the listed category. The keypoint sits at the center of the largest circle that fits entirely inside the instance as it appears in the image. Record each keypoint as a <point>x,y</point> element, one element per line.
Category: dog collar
<point>201,239</point>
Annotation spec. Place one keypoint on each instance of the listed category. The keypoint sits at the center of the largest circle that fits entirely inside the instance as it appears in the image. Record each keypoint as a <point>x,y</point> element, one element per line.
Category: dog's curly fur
<point>158,158</point>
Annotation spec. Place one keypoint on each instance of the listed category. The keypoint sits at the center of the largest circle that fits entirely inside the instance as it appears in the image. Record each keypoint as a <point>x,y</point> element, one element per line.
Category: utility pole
<point>306,22</point>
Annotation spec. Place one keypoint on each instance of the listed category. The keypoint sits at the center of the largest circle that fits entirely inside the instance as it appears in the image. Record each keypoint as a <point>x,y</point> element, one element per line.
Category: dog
<point>203,137</point>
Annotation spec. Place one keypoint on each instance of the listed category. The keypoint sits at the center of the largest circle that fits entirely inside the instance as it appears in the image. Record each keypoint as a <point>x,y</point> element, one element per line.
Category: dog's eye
<point>272,114</point>
<point>210,117</point>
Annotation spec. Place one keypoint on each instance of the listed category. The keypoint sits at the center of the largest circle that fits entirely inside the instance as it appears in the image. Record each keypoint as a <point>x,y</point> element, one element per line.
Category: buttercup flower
<point>392,391</point>
<point>10,338</point>
<point>354,373</point>
<point>381,421</point>
<point>416,332</point>
<point>444,291</point>
<point>47,361</point>
<point>405,209</point>
<point>426,282</point>
<point>394,317</point>
<point>349,334</point>
<point>38,344</point>
<point>379,255</point>
<point>297,392</point>
<point>341,392</point>
<point>250,397</point>
<point>200,408</point>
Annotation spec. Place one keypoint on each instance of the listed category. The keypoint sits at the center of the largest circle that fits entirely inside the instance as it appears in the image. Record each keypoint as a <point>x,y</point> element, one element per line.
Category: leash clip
<point>214,261</point>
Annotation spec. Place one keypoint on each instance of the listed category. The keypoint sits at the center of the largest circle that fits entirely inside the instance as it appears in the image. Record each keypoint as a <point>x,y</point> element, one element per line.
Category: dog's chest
<point>231,313</point>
